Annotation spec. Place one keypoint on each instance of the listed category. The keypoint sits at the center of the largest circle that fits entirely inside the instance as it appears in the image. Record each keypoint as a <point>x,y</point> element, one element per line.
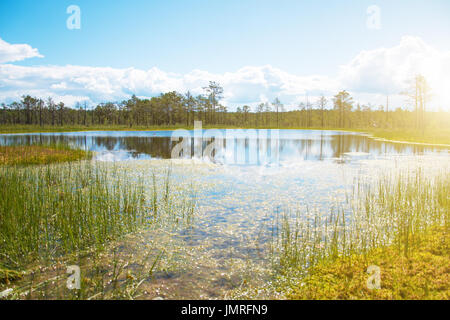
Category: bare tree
<point>419,93</point>
<point>321,104</point>
<point>214,92</point>
<point>342,103</point>
<point>277,106</point>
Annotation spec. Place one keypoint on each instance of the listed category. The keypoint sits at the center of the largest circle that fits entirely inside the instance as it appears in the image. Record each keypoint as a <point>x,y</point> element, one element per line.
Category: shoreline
<point>369,134</point>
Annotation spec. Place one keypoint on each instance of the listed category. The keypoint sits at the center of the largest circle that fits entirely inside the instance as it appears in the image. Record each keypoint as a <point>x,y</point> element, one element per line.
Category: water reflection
<point>236,205</point>
<point>291,145</point>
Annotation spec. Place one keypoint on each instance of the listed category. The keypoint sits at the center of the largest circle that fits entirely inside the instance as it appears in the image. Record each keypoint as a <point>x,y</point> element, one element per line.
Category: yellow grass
<point>37,154</point>
<point>424,274</point>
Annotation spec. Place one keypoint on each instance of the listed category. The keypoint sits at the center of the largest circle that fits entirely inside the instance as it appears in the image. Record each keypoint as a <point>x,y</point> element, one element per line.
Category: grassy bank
<point>34,128</point>
<point>429,136</point>
<point>50,211</point>
<point>423,274</point>
<point>399,224</point>
<point>99,216</point>
<point>40,154</point>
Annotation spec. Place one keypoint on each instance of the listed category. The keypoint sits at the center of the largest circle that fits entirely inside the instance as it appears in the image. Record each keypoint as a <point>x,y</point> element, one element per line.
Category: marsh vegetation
<point>40,154</point>
<point>399,222</point>
<point>190,229</point>
<point>52,214</point>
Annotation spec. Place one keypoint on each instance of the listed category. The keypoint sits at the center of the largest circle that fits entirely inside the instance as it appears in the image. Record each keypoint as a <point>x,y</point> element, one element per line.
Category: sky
<point>256,49</point>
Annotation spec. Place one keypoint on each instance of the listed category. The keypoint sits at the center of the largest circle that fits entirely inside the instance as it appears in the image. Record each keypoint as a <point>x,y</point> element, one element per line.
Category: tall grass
<point>88,213</point>
<point>395,211</point>
<point>52,210</point>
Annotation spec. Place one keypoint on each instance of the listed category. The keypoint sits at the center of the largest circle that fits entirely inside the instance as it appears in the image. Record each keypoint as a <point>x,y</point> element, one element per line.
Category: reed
<point>91,214</point>
<point>49,211</point>
<point>397,212</point>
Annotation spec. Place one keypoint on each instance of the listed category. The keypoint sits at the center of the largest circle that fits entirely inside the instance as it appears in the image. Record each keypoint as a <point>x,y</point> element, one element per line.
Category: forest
<point>177,109</point>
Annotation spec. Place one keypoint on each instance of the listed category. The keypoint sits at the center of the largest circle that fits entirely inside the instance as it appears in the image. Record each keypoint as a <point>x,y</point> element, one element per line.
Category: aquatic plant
<point>58,209</point>
<point>397,211</point>
<point>40,154</point>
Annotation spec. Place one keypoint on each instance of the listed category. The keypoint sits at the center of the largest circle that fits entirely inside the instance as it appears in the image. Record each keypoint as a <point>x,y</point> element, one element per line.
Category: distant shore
<point>431,137</point>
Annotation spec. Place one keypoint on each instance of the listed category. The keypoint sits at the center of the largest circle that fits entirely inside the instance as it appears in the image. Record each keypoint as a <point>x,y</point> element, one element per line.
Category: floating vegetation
<point>40,154</point>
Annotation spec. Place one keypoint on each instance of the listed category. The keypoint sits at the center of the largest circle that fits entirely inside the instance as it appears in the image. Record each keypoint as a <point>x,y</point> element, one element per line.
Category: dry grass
<point>39,154</point>
<point>429,136</point>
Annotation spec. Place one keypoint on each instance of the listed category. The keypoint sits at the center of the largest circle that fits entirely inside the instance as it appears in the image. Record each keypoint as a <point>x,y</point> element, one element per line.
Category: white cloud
<point>16,52</point>
<point>369,77</point>
<point>389,71</point>
<point>245,86</point>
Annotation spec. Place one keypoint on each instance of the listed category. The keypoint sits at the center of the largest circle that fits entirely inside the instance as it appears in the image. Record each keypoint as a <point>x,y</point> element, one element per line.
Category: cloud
<point>245,86</point>
<point>389,71</point>
<point>369,77</point>
<point>16,52</point>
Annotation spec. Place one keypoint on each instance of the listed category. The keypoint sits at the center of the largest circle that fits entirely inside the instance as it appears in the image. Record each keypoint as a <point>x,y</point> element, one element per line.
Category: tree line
<point>173,108</point>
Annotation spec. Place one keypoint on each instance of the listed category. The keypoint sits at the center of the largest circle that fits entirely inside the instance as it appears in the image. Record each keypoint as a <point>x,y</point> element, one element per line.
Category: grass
<point>82,213</point>
<point>35,128</point>
<point>40,154</point>
<point>400,224</point>
<point>49,211</point>
<point>424,274</point>
<point>429,136</point>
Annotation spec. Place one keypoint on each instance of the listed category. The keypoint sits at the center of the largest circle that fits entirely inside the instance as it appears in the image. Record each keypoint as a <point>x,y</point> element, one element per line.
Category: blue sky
<point>302,38</point>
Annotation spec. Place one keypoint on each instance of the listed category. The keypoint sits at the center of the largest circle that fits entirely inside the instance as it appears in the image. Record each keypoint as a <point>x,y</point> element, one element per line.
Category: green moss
<point>424,274</point>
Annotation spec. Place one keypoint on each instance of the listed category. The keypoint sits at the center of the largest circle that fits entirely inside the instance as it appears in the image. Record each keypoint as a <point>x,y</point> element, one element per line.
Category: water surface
<point>293,145</point>
<point>312,172</point>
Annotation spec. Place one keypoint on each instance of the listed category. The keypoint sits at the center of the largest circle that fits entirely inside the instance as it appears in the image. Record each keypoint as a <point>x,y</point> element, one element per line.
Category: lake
<point>249,180</point>
<point>294,145</point>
